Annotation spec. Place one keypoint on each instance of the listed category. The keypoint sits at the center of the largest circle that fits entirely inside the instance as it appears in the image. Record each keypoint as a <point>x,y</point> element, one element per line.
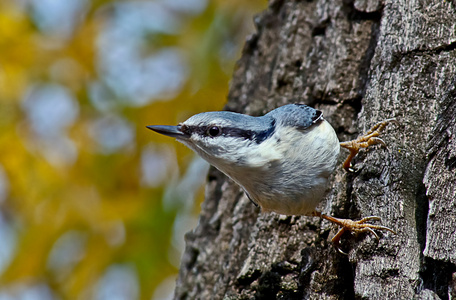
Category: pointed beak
<point>171,131</point>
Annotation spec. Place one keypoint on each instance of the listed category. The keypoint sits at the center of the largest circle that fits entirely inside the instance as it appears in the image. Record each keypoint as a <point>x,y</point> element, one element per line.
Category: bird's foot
<point>353,226</point>
<point>366,140</point>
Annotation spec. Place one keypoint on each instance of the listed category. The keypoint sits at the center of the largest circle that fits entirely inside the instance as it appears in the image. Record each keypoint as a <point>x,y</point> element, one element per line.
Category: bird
<point>283,160</point>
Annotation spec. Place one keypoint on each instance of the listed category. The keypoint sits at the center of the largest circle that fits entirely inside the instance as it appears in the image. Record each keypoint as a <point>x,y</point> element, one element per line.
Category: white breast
<point>289,172</point>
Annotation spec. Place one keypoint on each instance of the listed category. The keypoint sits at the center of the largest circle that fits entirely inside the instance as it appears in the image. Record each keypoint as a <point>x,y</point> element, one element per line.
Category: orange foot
<point>354,226</point>
<point>364,141</point>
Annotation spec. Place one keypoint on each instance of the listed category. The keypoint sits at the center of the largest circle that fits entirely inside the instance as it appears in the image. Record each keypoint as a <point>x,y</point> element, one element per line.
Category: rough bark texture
<point>359,62</point>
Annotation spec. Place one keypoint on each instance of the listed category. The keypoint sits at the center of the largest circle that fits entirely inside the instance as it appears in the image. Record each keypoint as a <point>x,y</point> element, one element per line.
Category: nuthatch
<point>282,160</point>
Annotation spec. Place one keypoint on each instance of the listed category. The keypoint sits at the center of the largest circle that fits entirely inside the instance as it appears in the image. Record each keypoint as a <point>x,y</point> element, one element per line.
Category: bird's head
<point>221,137</point>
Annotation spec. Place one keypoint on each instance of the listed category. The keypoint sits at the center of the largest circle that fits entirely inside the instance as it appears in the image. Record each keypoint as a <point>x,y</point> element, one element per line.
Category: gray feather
<point>297,115</point>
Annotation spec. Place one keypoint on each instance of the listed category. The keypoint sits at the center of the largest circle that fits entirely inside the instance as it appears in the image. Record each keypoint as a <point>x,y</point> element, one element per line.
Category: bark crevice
<point>437,277</point>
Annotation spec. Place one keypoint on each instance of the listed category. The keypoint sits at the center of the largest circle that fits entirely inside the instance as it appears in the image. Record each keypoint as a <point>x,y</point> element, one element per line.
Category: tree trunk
<point>359,62</point>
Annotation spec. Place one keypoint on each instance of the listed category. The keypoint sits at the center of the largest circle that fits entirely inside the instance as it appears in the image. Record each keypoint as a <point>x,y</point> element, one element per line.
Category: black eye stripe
<point>257,136</point>
<point>200,130</point>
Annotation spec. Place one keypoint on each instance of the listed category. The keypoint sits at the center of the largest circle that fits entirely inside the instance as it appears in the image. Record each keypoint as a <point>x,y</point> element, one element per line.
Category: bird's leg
<point>353,226</point>
<point>364,141</point>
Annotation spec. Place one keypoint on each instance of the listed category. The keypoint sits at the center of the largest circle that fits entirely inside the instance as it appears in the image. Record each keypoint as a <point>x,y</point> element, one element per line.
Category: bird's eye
<point>214,131</point>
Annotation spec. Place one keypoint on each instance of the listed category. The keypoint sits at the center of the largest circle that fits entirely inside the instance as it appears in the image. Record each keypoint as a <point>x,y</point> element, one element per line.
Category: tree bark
<point>359,62</point>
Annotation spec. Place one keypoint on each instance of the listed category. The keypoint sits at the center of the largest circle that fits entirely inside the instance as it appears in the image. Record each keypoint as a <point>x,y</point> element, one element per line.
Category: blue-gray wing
<point>297,115</point>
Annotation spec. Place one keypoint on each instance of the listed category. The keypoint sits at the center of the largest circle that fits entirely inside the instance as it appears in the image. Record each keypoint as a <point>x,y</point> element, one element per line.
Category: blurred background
<point>92,204</point>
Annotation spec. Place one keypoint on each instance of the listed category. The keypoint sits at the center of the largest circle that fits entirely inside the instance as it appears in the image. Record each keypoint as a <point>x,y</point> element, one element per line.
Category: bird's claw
<point>356,227</point>
<point>377,141</point>
<point>353,226</point>
<point>366,140</point>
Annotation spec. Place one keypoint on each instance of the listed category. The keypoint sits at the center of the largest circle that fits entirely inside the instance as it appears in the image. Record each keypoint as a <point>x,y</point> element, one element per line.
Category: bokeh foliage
<point>89,198</point>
